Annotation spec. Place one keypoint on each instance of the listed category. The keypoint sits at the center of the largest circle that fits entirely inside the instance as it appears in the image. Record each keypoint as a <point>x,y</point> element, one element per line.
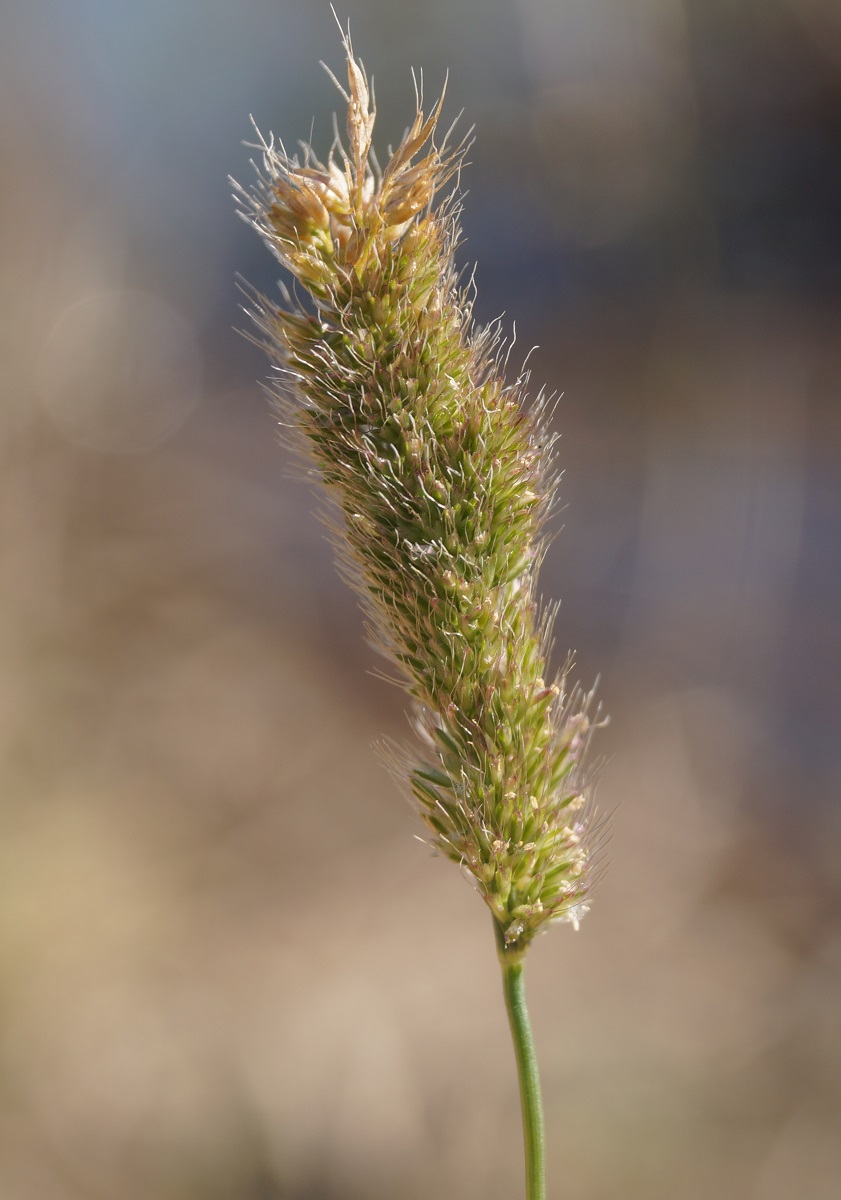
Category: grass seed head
<point>444,481</point>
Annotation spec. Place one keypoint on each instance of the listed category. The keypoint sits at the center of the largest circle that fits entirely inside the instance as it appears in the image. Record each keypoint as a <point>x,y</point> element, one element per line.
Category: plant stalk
<point>534,1139</point>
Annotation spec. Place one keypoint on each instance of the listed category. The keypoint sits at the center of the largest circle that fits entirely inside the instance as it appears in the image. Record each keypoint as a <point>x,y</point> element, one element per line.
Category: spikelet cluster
<point>443,482</point>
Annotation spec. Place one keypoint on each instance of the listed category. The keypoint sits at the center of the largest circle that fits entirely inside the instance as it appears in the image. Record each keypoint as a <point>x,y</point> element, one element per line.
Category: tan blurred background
<point>227,970</point>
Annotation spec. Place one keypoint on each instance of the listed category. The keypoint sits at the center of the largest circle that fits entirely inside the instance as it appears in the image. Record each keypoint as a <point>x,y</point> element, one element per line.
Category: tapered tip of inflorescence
<point>322,219</point>
<point>443,480</point>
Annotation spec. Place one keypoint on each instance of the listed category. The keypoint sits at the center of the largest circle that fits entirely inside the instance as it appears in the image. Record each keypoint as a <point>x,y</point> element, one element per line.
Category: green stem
<point>532,1106</point>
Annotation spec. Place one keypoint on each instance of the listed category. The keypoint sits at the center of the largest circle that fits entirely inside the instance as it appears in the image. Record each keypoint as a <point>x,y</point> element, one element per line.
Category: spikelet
<point>444,482</point>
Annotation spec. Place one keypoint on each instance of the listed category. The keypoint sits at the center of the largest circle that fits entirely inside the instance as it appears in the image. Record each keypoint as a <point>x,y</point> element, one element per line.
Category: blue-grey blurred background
<point>227,970</point>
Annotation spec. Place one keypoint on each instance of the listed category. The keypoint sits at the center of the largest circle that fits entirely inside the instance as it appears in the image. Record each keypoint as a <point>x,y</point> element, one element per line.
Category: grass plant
<point>443,480</point>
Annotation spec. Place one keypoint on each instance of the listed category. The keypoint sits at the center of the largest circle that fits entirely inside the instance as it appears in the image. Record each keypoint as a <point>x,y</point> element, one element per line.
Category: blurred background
<point>227,969</point>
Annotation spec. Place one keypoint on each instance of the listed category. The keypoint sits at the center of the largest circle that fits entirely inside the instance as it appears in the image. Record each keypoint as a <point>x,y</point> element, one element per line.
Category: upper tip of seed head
<point>361,108</point>
<point>318,216</point>
<point>361,114</point>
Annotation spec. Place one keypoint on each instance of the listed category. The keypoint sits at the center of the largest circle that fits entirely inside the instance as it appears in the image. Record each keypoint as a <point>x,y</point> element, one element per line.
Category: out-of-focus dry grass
<point>226,968</point>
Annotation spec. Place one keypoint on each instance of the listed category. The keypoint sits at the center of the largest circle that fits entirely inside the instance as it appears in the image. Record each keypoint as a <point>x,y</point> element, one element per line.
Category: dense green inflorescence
<point>443,481</point>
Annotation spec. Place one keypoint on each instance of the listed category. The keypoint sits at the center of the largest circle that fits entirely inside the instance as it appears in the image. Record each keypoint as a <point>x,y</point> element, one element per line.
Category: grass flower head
<point>444,481</point>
